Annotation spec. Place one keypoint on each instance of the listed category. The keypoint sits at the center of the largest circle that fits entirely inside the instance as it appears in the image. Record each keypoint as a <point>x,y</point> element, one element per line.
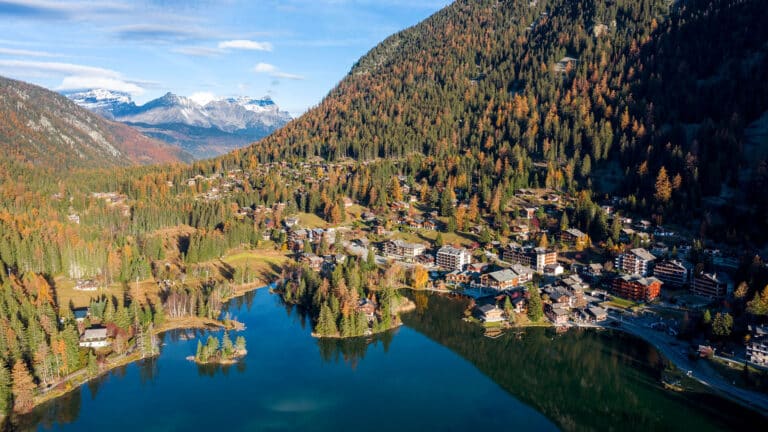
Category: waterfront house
<point>490,313</point>
<point>558,315</point>
<point>94,338</point>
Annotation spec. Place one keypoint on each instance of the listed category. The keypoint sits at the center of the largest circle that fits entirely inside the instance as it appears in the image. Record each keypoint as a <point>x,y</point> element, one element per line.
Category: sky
<point>294,51</point>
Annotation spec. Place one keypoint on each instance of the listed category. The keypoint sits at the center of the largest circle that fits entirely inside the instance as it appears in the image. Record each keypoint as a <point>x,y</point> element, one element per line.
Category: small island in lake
<point>225,352</point>
<point>354,298</point>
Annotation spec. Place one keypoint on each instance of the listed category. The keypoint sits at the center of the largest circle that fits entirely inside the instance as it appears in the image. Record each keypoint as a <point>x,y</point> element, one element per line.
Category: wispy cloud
<point>159,33</point>
<point>274,72</point>
<point>75,76</point>
<point>27,53</point>
<point>198,51</point>
<point>42,9</point>
<point>244,44</point>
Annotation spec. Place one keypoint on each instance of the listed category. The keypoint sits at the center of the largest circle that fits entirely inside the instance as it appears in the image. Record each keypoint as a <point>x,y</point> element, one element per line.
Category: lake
<point>434,373</point>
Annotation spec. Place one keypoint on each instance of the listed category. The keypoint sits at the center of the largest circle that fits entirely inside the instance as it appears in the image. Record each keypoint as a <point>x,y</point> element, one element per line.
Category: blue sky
<point>292,50</point>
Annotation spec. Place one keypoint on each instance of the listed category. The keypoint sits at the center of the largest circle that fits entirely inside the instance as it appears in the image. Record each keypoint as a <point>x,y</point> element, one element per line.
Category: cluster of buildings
<point>643,277</point>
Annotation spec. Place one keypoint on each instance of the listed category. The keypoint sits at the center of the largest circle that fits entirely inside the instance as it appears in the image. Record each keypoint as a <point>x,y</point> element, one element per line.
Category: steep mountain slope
<point>644,98</point>
<point>205,130</point>
<point>45,129</point>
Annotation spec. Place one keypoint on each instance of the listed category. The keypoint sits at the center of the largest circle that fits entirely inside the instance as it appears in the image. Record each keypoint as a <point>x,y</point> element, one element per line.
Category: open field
<point>264,266</point>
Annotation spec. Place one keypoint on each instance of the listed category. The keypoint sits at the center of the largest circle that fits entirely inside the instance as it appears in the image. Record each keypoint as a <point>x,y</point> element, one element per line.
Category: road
<point>701,371</point>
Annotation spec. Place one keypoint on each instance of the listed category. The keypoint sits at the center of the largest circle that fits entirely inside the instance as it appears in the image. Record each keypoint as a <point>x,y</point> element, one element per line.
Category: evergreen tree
<point>5,389</point>
<point>535,307</point>
<point>326,323</point>
<point>439,240</point>
<point>240,344</point>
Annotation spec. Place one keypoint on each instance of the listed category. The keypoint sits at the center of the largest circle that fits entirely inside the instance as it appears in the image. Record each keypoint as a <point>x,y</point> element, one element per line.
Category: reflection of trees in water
<point>352,350</point>
<point>211,370</point>
<point>63,410</point>
<point>148,370</point>
<point>582,380</point>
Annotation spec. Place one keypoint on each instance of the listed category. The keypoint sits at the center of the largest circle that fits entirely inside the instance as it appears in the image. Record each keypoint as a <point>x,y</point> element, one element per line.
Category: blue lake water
<point>434,373</point>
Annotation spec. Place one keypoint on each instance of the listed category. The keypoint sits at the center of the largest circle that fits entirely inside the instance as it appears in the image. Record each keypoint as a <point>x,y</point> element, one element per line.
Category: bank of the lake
<point>82,377</point>
<point>434,372</point>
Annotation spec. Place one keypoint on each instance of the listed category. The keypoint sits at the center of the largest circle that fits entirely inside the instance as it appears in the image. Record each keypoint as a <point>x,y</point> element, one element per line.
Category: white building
<point>94,338</point>
<point>452,258</point>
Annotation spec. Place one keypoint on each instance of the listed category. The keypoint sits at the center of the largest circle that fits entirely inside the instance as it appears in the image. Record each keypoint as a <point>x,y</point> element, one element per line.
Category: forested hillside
<point>40,128</point>
<point>611,96</point>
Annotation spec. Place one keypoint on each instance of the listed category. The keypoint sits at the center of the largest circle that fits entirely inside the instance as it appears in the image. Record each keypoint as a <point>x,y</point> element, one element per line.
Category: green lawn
<point>622,303</point>
<point>309,220</point>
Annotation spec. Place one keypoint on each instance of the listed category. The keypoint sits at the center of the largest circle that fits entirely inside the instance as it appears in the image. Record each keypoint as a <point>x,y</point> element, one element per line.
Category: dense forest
<point>614,97</point>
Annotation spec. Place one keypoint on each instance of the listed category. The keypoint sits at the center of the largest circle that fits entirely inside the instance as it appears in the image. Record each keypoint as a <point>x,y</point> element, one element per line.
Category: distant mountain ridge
<point>44,129</point>
<point>205,130</point>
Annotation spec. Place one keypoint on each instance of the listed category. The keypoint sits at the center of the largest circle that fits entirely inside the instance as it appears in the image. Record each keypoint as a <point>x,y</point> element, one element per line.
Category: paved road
<point>701,371</point>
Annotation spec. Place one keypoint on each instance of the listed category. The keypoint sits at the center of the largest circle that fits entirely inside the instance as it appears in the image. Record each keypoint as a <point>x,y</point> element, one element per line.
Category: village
<point>646,272</point>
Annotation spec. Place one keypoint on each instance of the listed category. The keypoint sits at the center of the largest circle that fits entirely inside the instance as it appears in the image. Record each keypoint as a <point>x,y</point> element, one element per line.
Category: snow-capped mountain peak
<point>241,119</point>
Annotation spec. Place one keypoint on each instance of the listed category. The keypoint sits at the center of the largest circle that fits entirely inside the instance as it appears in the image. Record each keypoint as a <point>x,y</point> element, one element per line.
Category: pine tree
<point>23,388</point>
<point>535,311</point>
<point>5,389</point>
<point>227,347</point>
<point>240,344</point>
<point>439,240</point>
<point>326,323</point>
<point>564,222</point>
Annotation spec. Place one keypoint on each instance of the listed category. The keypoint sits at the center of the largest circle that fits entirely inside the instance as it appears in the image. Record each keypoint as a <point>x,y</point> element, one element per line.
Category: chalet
<point>425,260</point>
<point>574,238</point>
<point>528,212</point>
<point>348,202</point>
<point>505,279</point>
<point>490,313</point>
<point>368,216</point>
<point>379,230</point>
<point>430,225</point>
<point>86,285</point>
<point>594,270</point>
<point>290,222</point>
<point>313,261</point>
<point>460,277</point>
<point>94,338</point>
<point>499,280</point>
<point>596,314</point>
<point>558,315</point>
<point>367,307</point>
<point>553,269</point>
<point>416,223</point>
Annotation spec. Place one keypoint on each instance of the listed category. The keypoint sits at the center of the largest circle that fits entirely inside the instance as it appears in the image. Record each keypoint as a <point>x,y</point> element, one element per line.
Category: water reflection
<point>352,350</point>
<point>582,380</point>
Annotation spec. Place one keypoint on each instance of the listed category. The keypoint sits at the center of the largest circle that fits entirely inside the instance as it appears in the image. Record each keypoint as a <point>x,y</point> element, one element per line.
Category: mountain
<point>659,102</point>
<point>43,128</point>
<point>204,130</point>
